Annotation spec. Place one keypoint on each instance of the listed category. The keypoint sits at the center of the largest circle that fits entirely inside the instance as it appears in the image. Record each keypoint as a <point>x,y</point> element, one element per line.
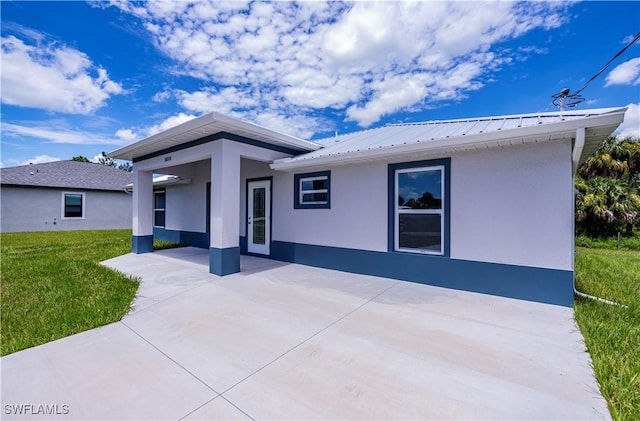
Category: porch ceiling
<point>207,125</point>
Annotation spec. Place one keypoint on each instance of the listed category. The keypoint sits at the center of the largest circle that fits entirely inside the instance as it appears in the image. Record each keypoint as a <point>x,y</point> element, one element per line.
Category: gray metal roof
<point>463,134</point>
<point>68,175</point>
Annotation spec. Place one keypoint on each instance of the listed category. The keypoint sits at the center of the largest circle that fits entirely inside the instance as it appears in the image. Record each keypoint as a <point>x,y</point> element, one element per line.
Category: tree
<point>608,198</point>
<point>80,158</point>
<point>604,206</point>
<point>126,167</point>
<point>103,159</point>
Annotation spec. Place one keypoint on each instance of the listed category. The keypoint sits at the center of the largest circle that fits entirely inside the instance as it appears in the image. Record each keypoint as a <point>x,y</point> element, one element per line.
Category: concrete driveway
<point>285,341</point>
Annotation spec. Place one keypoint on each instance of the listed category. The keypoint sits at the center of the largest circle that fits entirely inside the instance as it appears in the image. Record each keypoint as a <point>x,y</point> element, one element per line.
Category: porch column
<point>142,240</point>
<point>224,251</point>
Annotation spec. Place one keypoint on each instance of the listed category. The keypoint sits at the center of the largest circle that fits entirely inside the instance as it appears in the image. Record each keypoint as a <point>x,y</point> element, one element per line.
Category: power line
<point>608,63</point>
<point>565,99</point>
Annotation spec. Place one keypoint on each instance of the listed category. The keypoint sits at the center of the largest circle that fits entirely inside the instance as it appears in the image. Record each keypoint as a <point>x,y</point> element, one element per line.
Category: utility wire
<point>608,63</point>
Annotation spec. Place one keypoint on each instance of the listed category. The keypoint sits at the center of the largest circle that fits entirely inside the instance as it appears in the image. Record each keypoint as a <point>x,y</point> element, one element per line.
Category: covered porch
<point>211,161</point>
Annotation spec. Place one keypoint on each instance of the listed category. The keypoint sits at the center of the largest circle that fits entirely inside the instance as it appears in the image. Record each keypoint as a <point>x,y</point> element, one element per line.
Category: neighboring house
<point>482,204</point>
<point>64,195</point>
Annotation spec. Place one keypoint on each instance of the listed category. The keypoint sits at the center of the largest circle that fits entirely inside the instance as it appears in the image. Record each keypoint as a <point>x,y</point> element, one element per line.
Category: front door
<point>259,217</point>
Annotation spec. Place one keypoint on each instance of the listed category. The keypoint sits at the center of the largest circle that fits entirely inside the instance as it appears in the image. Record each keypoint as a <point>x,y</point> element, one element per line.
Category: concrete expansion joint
<point>171,359</point>
<point>310,338</point>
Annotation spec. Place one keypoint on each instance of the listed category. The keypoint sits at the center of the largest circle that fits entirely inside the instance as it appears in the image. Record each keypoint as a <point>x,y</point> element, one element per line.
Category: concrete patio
<point>285,341</point>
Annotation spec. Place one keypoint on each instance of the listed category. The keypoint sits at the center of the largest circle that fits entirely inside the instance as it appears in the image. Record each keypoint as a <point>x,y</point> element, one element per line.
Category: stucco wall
<point>358,214</point>
<point>508,205</point>
<point>186,203</point>
<point>40,209</point>
<point>514,205</point>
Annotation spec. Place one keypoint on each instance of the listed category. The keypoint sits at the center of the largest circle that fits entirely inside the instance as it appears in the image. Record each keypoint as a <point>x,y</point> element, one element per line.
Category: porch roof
<point>206,125</point>
<point>443,137</point>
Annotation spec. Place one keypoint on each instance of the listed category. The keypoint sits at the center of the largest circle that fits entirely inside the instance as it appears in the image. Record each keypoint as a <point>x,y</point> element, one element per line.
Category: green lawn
<point>612,333</point>
<point>53,286</point>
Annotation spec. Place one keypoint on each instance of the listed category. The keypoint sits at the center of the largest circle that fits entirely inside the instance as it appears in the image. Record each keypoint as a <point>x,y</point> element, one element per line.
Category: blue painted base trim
<point>141,244</point>
<point>188,238</point>
<point>224,261</point>
<point>551,286</point>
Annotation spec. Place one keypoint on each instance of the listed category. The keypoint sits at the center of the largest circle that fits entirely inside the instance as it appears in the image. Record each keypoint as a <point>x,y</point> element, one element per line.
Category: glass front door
<point>259,217</point>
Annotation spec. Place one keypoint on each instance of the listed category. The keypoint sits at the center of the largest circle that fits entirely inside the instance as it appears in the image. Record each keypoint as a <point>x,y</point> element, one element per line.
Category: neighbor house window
<point>312,190</point>
<point>72,205</point>
<point>419,208</point>
<point>159,200</point>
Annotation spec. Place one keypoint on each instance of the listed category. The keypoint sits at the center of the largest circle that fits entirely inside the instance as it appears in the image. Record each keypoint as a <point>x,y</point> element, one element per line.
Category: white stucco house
<point>480,204</point>
<point>64,195</point>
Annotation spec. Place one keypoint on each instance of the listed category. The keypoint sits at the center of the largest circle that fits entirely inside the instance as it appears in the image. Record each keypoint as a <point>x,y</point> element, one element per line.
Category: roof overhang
<point>597,128</point>
<point>163,181</point>
<point>206,125</point>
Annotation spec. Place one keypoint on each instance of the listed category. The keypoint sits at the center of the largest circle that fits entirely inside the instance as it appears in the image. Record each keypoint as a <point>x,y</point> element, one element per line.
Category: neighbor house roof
<point>207,125</point>
<point>443,137</point>
<point>68,175</point>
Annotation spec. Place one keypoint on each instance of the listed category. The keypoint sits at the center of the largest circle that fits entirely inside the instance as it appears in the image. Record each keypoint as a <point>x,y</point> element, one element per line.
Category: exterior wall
<point>508,205</point>
<point>186,203</point>
<point>514,206</point>
<point>357,218</point>
<point>40,209</point>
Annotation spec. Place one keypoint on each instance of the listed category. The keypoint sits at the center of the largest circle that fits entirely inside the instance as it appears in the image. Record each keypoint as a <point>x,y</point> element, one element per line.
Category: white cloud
<point>53,77</point>
<point>126,135</point>
<point>39,159</point>
<point>630,127</point>
<point>169,123</point>
<point>364,59</point>
<point>627,73</point>
<point>56,134</point>
<point>161,96</point>
<point>136,133</point>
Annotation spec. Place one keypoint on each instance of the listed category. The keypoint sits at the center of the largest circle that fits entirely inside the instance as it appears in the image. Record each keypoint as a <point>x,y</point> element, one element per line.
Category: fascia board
<point>551,131</point>
<point>128,152</point>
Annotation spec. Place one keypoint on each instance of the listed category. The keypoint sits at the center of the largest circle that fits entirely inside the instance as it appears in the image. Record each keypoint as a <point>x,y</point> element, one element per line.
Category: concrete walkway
<point>285,341</point>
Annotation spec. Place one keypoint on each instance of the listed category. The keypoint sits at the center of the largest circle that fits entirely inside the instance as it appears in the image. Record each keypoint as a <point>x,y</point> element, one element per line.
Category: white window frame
<point>64,205</point>
<point>302,192</point>
<point>398,211</point>
<point>159,209</point>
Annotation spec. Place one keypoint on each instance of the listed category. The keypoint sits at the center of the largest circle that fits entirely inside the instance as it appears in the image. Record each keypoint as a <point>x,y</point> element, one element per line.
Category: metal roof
<point>67,175</point>
<point>207,125</point>
<point>440,137</point>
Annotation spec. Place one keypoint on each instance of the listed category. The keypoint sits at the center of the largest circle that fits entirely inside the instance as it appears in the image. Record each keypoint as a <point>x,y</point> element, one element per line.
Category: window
<point>159,199</point>
<point>419,207</point>
<point>72,205</point>
<point>312,191</point>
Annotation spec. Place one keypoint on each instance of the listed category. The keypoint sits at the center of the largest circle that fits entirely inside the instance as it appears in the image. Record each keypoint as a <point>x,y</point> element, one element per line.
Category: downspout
<point>578,146</point>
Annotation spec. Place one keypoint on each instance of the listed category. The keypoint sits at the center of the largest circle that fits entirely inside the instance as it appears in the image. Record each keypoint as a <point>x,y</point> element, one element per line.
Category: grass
<point>626,243</point>
<point>612,334</point>
<point>163,245</point>
<point>53,286</point>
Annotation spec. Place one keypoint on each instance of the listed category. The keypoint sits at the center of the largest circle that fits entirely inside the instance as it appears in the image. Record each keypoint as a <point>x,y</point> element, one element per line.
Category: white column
<point>224,252</point>
<point>142,240</point>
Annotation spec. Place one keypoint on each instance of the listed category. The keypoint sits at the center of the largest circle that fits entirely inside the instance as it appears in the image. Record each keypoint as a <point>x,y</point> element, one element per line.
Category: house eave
<point>206,125</point>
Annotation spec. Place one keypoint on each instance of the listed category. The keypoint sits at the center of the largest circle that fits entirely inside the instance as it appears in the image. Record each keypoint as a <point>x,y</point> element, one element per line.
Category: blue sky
<point>80,78</point>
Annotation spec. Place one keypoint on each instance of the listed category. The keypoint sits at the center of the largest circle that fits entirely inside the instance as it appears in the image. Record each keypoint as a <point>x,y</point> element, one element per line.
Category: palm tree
<point>604,205</point>
<point>607,192</point>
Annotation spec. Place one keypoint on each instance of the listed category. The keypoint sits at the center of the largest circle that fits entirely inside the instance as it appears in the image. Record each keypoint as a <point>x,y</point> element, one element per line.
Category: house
<point>64,195</point>
<point>482,204</point>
